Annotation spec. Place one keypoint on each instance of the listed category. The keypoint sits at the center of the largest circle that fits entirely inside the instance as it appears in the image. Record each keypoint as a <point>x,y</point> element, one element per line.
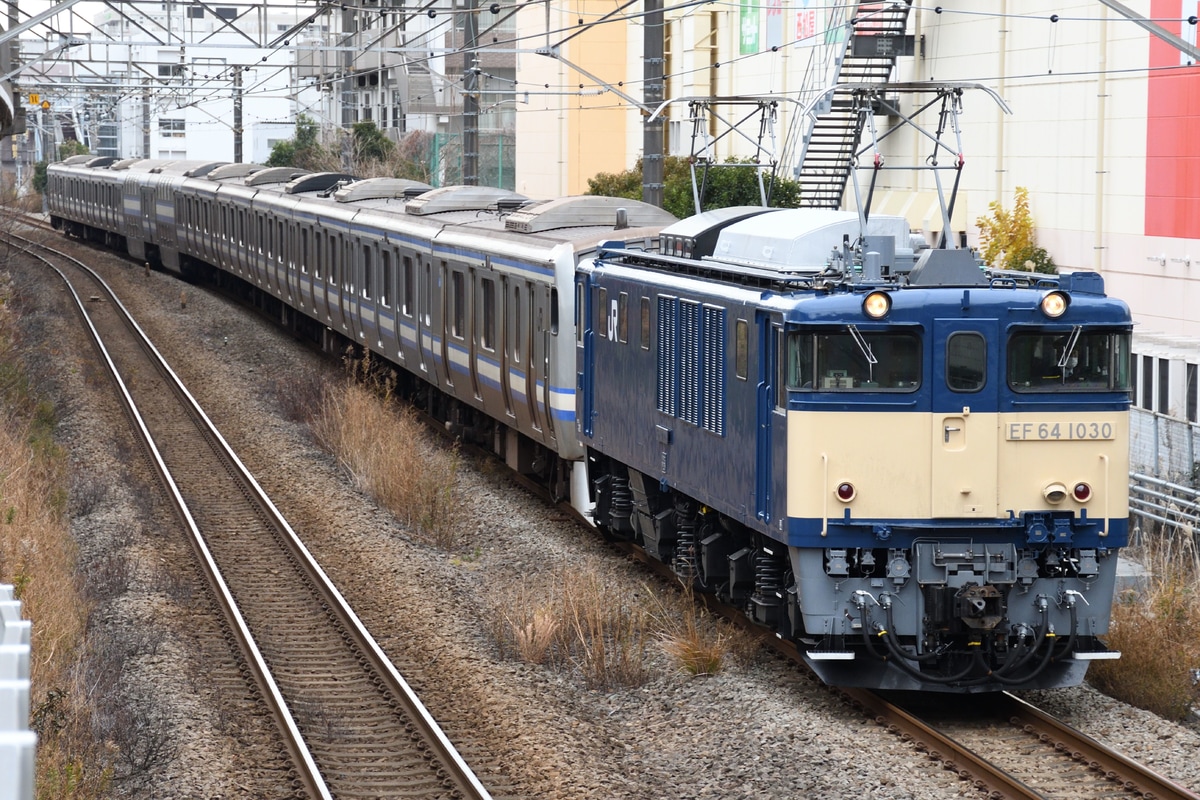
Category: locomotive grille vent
<point>712,377</point>
<point>689,359</point>
<point>668,397</point>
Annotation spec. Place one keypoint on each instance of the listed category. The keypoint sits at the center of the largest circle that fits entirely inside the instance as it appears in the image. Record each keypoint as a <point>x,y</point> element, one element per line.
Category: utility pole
<point>237,115</point>
<point>145,118</point>
<point>470,97</point>
<point>652,134</point>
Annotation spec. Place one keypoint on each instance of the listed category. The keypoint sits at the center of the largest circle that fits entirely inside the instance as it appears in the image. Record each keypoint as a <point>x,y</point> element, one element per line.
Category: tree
<point>69,148</point>
<point>1008,239</point>
<point>303,150</point>
<point>370,143</point>
<point>727,184</point>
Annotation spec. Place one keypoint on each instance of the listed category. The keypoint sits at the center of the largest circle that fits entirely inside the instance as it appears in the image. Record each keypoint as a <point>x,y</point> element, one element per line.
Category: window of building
<point>226,13</point>
<point>172,128</point>
<point>195,12</point>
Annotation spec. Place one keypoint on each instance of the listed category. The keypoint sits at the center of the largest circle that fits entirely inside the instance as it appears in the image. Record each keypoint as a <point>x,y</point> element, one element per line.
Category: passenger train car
<point>914,469</point>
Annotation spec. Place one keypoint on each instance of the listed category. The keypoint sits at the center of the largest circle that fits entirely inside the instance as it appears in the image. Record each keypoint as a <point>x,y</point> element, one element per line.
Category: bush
<point>1158,633</point>
<point>733,183</point>
<point>390,454</point>
<point>1007,239</point>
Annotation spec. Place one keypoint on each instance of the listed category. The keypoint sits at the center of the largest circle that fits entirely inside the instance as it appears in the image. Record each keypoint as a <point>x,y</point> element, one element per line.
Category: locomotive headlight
<point>1054,304</point>
<point>1055,493</point>
<point>845,491</point>
<point>877,304</point>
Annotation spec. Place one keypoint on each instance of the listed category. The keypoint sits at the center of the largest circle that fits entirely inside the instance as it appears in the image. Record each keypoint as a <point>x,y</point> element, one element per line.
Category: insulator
<point>686,544</point>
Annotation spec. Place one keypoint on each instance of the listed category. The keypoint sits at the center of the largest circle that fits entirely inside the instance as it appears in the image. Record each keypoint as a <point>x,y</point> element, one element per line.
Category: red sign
<point>1173,128</point>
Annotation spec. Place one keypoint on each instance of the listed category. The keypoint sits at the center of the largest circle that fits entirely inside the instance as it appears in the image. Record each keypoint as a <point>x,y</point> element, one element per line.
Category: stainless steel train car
<point>912,468</point>
<point>460,287</point>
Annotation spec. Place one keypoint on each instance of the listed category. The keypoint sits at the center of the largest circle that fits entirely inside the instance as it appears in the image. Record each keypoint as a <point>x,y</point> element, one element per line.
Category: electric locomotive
<point>913,468</point>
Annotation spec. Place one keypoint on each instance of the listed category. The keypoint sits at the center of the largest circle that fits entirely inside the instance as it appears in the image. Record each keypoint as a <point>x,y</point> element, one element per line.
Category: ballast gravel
<point>760,728</point>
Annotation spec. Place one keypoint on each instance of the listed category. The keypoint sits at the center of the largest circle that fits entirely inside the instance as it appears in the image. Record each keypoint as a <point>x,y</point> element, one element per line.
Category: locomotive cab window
<point>1072,360</point>
<point>853,360</point>
<point>966,362</point>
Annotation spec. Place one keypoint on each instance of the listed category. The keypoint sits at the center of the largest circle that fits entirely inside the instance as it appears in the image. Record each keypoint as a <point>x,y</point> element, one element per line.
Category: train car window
<point>516,316</point>
<point>304,250</point>
<point>409,281</point>
<point>553,311</point>
<point>604,323</point>
<point>966,362</point>
<point>1069,361</point>
<point>318,254</point>
<point>645,323</point>
<point>623,318</point>
<point>264,239</point>
<point>488,334</point>
<point>851,360</point>
<point>427,292</point>
<point>335,253</point>
<point>580,298</point>
<point>385,270</point>
<point>457,299</point>
<point>368,272</point>
<point>279,237</point>
<point>782,368</point>
<point>741,348</point>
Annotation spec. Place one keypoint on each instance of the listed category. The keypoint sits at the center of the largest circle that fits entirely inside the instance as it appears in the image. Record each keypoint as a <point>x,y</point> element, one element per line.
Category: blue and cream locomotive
<point>914,469</point>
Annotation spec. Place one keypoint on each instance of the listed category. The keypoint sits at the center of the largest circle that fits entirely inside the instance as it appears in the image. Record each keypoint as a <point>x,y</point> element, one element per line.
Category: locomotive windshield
<point>851,360</point>
<point>1069,361</point>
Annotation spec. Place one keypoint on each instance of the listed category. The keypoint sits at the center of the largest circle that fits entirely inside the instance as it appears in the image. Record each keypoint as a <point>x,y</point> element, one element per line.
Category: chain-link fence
<point>1163,473</point>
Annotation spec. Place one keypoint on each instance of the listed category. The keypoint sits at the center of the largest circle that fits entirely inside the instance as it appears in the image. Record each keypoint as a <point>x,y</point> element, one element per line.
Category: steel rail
<point>459,773</point>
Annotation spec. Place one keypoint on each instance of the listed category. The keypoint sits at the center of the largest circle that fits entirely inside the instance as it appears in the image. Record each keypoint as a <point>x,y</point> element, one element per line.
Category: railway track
<point>1002,746</point>
<point>352,725</point>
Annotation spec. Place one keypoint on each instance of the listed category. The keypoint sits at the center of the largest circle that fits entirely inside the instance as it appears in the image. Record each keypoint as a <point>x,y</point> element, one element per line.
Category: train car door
<point>584,349</point>
<point>425,290</point>
<point>359,289</point>
<point>770,344</point>
<point>549,341</point>
<point>966,370</point>
<point>509,306</point>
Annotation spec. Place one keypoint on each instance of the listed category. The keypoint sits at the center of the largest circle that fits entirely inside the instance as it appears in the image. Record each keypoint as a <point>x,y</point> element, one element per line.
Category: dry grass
<point>692,638</point>
<point>578,620</point>
<point>1157,632</point>
<point>390,454</point>
<point>38,556</point>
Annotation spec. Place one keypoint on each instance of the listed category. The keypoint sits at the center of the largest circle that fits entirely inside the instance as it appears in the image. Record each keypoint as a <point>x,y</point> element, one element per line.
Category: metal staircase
<point>858,50</point>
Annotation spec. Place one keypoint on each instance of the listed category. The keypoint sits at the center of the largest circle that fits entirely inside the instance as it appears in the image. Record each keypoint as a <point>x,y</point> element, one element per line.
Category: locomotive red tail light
<point>1082,492</point>
<point>845,492</point>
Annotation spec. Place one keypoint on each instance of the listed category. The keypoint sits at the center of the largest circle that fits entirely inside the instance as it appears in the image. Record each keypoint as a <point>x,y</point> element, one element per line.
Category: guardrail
<point>17,742</point>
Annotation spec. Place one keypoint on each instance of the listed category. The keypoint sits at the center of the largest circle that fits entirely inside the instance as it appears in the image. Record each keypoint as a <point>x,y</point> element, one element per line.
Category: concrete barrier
<point>17,743</point>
